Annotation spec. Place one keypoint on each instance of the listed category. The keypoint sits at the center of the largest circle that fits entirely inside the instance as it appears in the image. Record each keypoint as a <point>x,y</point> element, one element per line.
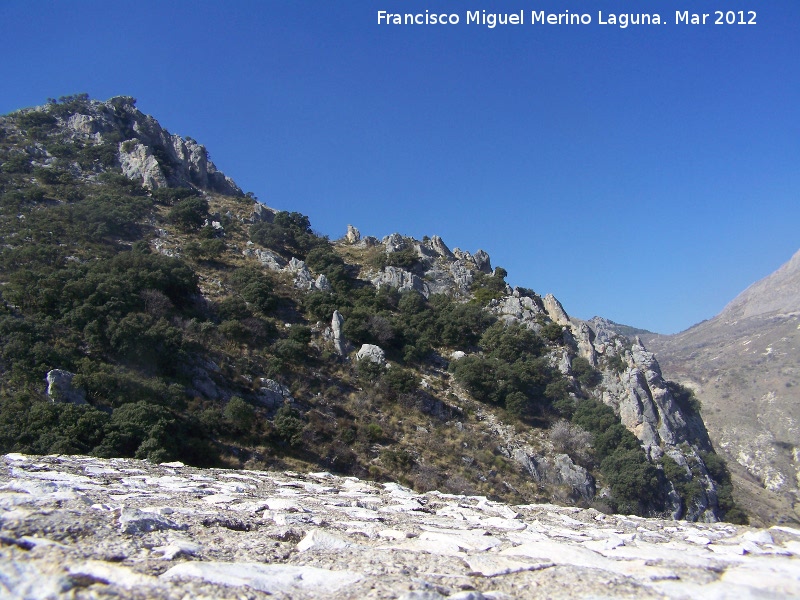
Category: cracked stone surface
<point>81,527</point>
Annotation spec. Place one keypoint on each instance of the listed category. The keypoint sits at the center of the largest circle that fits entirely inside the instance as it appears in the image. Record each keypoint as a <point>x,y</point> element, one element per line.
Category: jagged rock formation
<point>80,527</point>
<point>743,366</point>
<point>401,280</point>
<point>146,152</point>
<point>635,388</point>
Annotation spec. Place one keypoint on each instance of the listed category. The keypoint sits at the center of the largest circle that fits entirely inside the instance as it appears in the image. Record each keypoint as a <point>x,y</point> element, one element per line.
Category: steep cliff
<point>743,366</point>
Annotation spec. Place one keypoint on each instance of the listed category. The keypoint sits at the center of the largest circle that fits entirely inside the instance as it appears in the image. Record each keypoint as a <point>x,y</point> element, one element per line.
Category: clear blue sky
<point>646,174</point>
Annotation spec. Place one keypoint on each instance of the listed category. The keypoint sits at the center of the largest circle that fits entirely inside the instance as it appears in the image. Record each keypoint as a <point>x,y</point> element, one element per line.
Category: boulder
<point>557,470</point>
<point>322,283</point>
<point>302,276</point>
<point>371,353</point>
<point>261,214</point>
<point>273,394</point>
<point>269,259</point>
<point>60,388</point>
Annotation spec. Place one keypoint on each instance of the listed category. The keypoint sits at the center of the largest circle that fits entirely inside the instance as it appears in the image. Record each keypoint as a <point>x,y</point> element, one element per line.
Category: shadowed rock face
<point>743,366</point>
<point>75,526</point>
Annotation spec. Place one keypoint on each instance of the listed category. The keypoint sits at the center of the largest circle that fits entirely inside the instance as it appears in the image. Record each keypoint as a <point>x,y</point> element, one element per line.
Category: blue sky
<point>646,174</point>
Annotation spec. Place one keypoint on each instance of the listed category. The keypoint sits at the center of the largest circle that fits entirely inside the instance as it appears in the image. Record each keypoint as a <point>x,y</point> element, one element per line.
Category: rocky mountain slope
<point>152,310</point>
<point>82,527</point>
<point>743,366</point>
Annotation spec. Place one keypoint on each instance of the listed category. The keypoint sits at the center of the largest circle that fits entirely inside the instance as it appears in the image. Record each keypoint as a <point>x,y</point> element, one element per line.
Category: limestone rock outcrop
<point>60,388</point>
<point>340,343</point>
<point>148,154</point>
<point>273,393</point>
<point>353,235</point>
<point>371,353</point>
<point>742,366</point>
<point>557,470</point>
<point>77,526</point>
<point>401,280</point>
<point>269,259</point>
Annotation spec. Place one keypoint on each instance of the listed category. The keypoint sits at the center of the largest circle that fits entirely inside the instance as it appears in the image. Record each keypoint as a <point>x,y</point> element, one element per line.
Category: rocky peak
<point>147,153</point>
<point>776,293</point>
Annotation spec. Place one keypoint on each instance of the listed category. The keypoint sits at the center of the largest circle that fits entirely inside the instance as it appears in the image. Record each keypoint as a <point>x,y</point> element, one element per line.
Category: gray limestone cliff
<point>146,152</point>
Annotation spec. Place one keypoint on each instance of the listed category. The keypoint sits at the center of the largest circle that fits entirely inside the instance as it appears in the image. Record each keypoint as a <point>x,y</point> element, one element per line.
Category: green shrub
<point>374,432</point>
<point>170,196</point>
<point>239,414</point>
<point>289,234</point>
<point>406,258</point>
<point>255,287</point>
<point>635,483</point>
<point>204,250</point>
<point>18,162</point>
<point>401,381</point>
<point>684,397</point>
<point>33,426</point>
<point>615,363</point>
<point>397,460</point>
<point>486,288</point>
<point>584,372</point>
<point>288,425</point>
<point>322,259</point>
<point>552,332</point>
<point>189,214</point>
<point>719,472</point>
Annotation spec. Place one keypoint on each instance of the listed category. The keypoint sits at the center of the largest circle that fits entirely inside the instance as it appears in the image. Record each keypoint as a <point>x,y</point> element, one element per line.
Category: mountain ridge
<point>176,317</point>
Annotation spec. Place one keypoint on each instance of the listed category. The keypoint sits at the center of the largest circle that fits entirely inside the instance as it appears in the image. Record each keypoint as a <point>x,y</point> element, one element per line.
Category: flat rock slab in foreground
<point>79,527</point>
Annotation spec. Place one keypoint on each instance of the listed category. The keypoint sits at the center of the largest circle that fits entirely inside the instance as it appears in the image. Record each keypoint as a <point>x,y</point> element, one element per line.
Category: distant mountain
<point>744,365</point>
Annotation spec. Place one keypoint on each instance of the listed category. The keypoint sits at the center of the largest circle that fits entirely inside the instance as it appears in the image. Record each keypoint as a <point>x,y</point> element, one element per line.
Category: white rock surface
<point>372,353</point>
<point>81,527</point>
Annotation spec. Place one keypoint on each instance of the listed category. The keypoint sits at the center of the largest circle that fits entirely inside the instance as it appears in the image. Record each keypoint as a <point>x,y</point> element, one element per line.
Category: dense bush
<point>552,331</point>
<point>322,259</point>
<point>189,214</point>
<point>33,426</point>
<point>486,288</point>
<point>289,234</point>
<point>255,287</point>
<point>685,397</point>
<point>636,485</point>
<point>288,425</point>
<point>585,373</point>
<point>511,372</point>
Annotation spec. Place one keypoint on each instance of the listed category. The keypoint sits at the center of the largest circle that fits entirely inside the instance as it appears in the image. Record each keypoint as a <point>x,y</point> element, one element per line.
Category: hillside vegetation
<point>150,309</point>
